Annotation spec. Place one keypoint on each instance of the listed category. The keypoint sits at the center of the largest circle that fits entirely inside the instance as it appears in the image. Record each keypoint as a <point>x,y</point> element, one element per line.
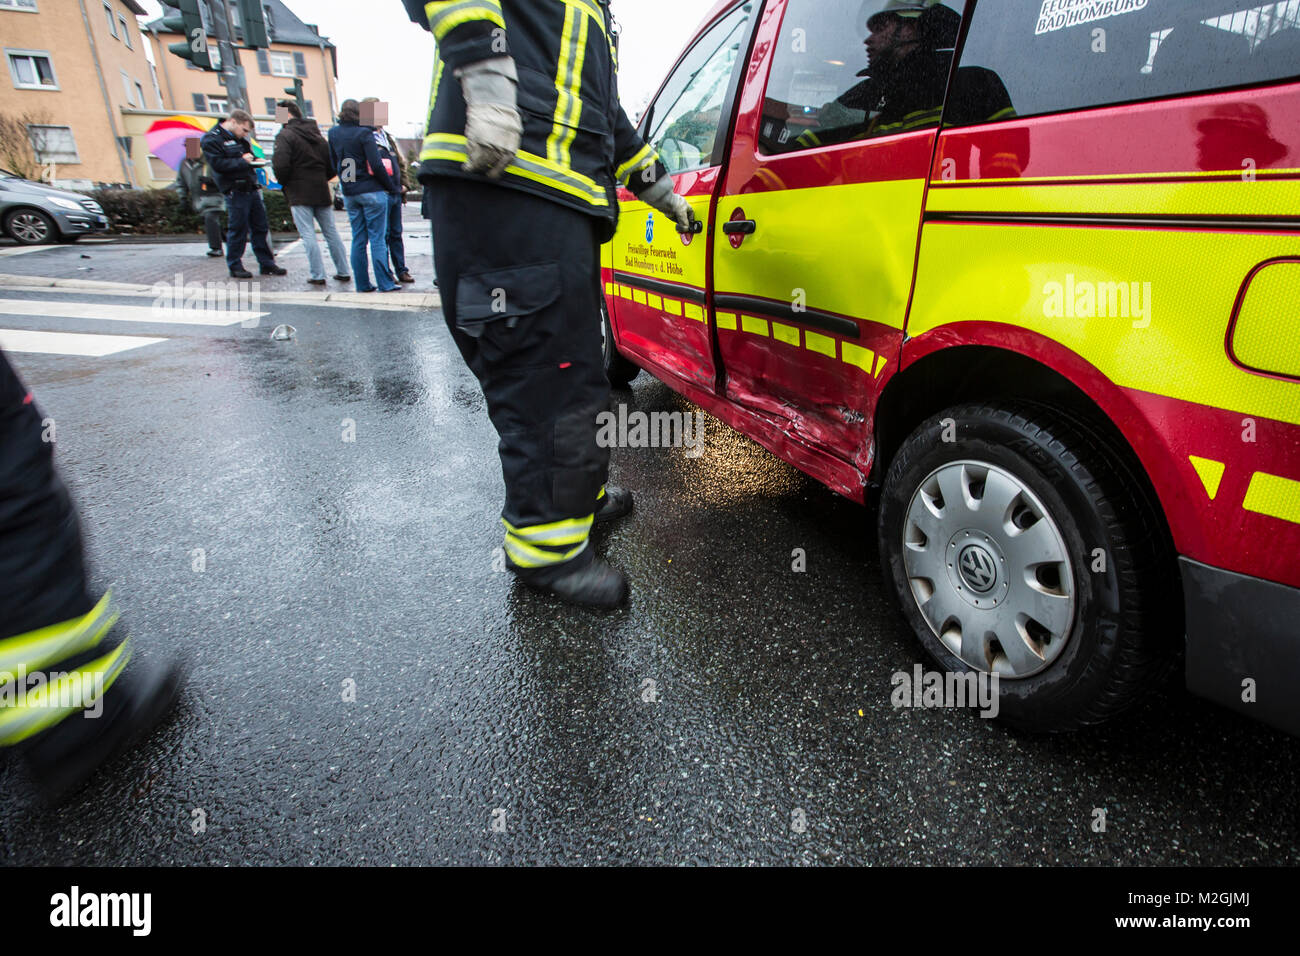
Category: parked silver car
<point>32,213</point>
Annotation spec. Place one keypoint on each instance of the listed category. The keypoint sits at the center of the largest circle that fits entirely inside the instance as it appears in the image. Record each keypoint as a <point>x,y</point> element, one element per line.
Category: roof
<point>134,7</point>
<point>285,27</point>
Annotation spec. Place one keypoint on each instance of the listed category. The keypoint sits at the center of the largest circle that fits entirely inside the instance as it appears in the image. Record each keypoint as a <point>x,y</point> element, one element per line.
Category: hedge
<point>161,211</point>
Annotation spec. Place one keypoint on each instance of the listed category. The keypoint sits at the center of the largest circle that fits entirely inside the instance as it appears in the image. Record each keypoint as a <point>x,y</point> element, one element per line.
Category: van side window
<point>1063,55</point>
<point>686,117</point>
<point>847,70</point>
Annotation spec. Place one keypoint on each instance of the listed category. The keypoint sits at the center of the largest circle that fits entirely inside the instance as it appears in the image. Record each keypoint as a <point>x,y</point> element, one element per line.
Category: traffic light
<point>255,21</point>
<point>193,20</point>
<point>296,92</point>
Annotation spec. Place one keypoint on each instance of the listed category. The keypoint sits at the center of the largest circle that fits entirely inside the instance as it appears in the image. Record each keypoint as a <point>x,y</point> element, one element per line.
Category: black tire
<point>1127,620</point>
<point>31,227</point>
<point>619,370</point>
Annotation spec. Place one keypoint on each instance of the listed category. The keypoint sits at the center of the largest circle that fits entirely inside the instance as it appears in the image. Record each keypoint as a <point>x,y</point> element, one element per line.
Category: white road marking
<point>23,250</point>
<point>70,343</point>
<point>125,313</point>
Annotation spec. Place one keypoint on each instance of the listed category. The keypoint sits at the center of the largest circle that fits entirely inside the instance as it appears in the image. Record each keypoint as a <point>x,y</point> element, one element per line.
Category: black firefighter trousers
<point>520,281</point>
<point>48,617</point>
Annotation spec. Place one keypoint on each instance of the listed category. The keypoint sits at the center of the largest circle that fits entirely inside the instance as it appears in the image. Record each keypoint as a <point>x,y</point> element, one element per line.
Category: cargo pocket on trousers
<point>501,309</point>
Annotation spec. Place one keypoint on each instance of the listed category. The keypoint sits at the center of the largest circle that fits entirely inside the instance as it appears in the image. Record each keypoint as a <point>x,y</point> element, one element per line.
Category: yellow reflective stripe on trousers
<point>446,15</point>
<point>58,642</point>
<point>451,148</point>
<point>526,556</point>
<point>568,86</point>
<point>570,531</point>
<point>52,702</point>
<point>644,157</point>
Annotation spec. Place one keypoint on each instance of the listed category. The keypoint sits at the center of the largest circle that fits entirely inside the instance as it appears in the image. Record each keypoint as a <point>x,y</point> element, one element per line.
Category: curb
<point>408,300</point>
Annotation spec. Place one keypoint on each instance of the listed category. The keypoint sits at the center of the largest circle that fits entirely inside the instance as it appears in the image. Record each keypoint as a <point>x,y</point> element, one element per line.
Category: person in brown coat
<point>302,165</point>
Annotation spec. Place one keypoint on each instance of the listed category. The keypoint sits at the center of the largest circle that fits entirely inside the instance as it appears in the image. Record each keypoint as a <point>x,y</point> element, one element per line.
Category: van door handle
<point>740,227</point>
<point>697,227</point>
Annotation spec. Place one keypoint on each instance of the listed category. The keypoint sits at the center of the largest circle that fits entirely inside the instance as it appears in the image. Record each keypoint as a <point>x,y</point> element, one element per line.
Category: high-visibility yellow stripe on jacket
<point>446,15</point>
<point>575,133</point>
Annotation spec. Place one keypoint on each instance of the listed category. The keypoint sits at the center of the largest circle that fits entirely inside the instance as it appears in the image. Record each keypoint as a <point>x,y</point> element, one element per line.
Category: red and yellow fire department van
<point>1028,271</point>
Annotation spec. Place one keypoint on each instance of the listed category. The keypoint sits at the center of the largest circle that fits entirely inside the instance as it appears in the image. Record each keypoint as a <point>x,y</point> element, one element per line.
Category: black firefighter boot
<point>586,581</point>
<point>62,757</point>
<point>614,503</point>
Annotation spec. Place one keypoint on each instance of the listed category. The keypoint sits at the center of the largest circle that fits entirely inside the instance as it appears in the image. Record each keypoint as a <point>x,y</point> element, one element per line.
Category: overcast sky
<point>387,56</point>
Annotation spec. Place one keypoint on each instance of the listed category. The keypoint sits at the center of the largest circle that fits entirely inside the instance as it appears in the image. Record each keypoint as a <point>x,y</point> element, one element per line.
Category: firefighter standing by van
<point>70,694</point>
<point>526,141</point>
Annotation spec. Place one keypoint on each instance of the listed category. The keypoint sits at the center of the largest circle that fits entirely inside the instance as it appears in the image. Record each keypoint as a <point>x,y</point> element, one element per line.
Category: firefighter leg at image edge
<point>519,277</point>
<point>71,694</point>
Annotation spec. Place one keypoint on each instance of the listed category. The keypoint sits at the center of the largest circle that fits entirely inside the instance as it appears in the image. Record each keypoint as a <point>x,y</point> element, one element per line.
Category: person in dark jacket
<point>63,655</point>
<point>392,157</point>
<point>230,156</point>
<point>197,188</point>
<point>302,165</point>
<point>366,188</point>
<point>526,141</point>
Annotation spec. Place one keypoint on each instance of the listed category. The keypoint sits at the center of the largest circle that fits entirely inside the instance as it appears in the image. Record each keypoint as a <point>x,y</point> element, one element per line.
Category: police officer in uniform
<point>526,141</point>
<point>70,693</point>
<point>230,156</point>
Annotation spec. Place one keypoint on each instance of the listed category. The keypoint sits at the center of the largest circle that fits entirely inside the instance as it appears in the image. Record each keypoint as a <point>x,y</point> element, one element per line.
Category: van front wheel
<point>1020,543</point>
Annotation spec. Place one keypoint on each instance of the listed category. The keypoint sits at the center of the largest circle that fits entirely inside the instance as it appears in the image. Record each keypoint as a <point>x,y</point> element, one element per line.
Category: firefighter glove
<point>662,197</point>
<point>493,128</point>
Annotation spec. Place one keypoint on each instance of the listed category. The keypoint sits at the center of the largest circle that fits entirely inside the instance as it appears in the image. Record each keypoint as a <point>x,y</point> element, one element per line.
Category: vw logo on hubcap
<point>978,569</point>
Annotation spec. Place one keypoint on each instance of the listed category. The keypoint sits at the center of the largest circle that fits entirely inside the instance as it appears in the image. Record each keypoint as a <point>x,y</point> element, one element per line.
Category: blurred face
<point>890,40</point>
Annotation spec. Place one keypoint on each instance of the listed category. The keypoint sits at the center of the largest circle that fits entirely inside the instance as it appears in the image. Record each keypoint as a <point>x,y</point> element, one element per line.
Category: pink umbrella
<point>166,137</point>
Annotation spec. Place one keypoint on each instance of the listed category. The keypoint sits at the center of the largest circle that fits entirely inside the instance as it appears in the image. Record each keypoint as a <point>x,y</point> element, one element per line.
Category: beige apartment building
<point>82,86</point>
<point>72,69</point>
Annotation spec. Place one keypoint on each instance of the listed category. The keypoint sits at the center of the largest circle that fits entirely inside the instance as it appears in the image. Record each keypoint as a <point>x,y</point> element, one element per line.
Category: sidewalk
<point>141,264</point>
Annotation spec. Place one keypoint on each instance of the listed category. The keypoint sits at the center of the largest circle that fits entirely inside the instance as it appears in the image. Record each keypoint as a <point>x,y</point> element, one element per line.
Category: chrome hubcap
<point>29,228</point>
<point>989,569</point>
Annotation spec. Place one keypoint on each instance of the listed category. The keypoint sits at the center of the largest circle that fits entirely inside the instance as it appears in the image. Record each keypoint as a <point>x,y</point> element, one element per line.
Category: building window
<point>18,5</point>
<point>218,106</point>
<point>307,111</point>
<point>32,70</point>
<point>53,144</point>
<point>108,14</point>
<point>126,85</point>
<point>269,102</point>
<point>126,34</point>
<point>281,64</point>
<point>200,103</point>
<point>139,96</point>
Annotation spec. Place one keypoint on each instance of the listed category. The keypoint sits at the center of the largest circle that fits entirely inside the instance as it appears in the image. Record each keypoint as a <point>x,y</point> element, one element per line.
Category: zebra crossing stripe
<point>71,343</point>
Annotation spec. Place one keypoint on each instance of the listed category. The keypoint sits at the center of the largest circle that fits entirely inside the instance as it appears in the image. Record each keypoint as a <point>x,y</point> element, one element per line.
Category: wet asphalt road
<point>481,707</point>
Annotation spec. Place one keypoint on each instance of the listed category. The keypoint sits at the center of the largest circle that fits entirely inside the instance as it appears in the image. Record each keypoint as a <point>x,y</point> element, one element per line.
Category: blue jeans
<point>246,214</point>
<point>395,247</point>
<point>306,218</point>
<point>368,215</point>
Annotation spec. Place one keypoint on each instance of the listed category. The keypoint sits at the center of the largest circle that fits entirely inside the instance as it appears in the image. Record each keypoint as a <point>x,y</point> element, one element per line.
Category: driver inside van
<point>909,53</point>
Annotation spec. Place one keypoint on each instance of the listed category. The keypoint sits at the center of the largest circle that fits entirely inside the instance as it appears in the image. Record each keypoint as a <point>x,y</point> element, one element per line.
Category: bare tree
<point>16,152</point>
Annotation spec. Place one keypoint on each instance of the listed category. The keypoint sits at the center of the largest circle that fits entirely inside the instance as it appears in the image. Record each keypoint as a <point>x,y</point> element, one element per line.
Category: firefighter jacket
<point>577,141</point>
